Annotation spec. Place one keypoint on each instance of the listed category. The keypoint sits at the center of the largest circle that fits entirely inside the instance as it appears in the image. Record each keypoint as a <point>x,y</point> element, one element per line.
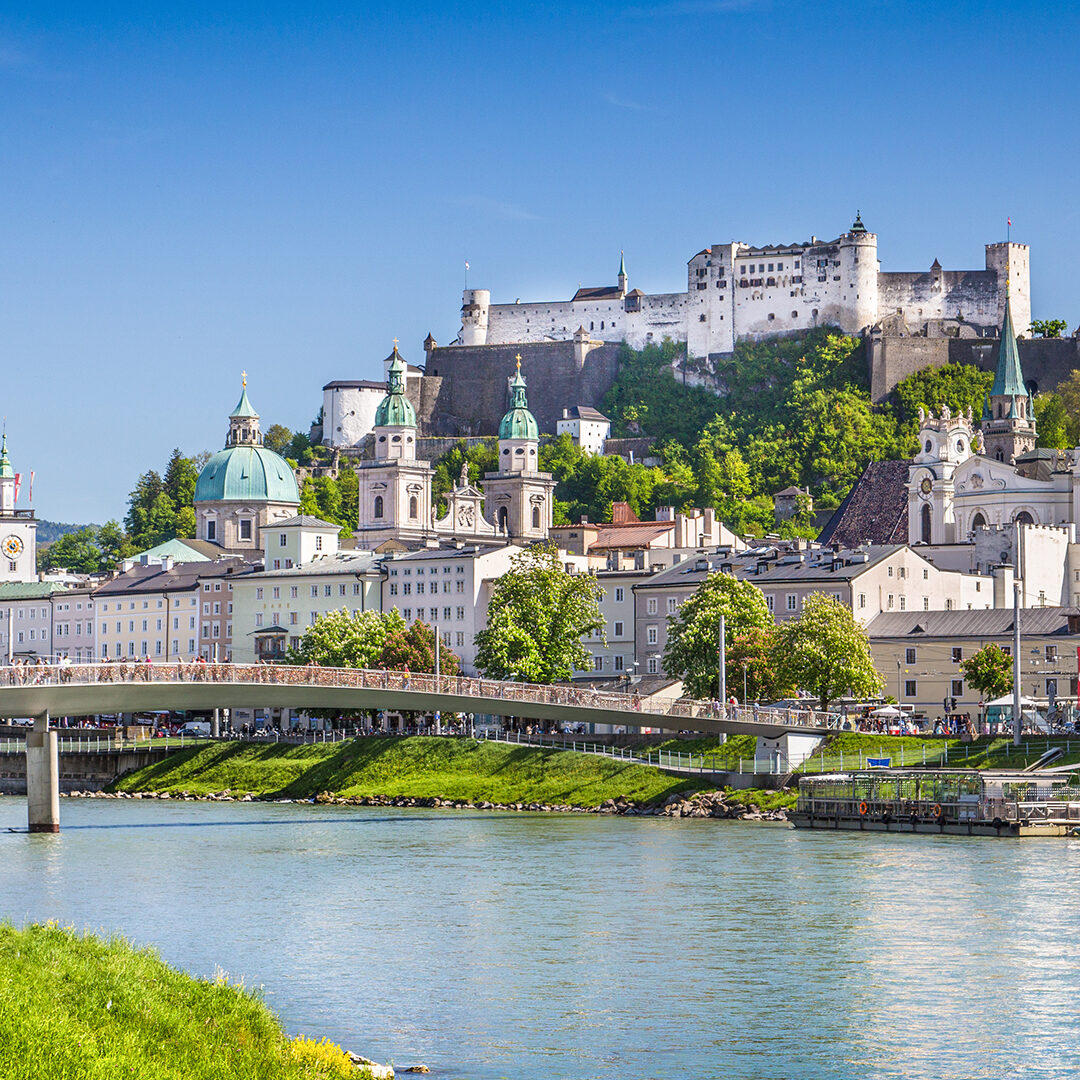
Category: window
<point>259,596</point>
<point>378,506</point>
<point>283,539</point>
<point>459,639</point>
<point>393,588</point>
<point>293,591</point>
<point>862,599</point>
<point>957,687</point>
<point>651,605</point>
<point>258,619</point>
<point>620,593</point>
<point>211,530</point>
<point>314,591</point>
<point>245,528</point>
<point>902,571</point>
<point>891,601</point>
<point>327,590</point>
<point>652,665</point>
<point>318,543</point>
<point>413,507</point>
<point>903,603</point>
<point>792,600</point>
<point>890,571</point>
<point>769,602</point>
<point>618,663</point>
<point>1051,654</point>
<point>651,635</point>
<point>618,630</point>
<point>925,574</point>
<point>909,656</point>
<point>672,605</point>
<point>293,617</point>
<point>909,688</point>
<point>341,590</point>
<point>926,603</point>
<point>460,587</point>
<point>957,655</point>
<point>460,613</point>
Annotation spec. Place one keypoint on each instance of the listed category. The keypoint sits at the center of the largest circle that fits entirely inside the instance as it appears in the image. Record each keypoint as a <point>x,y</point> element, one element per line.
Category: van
<point>198,728</point>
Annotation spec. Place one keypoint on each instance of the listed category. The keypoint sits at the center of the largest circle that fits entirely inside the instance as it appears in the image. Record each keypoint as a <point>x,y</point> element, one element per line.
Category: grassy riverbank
<point>414,767</point>
<point>86,1009</point>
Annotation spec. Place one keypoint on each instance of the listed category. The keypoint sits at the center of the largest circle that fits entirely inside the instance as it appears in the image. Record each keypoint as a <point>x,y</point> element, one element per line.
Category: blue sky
<point>190,191</point>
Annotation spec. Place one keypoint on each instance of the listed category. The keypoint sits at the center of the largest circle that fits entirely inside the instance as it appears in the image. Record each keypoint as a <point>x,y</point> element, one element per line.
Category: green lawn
<point>417,766</point>
<point>80,1008</point>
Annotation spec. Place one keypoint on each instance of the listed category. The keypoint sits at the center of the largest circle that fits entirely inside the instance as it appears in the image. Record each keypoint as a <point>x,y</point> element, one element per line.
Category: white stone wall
<point>349,413</point>
<point>733,293</point>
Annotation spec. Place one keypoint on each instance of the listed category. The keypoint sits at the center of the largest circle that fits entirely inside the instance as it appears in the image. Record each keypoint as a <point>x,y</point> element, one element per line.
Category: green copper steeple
<point>1008,379</point>
<point>6,471</point>
<point>518,423</point>
<point>244,409</point>
<point>395,410</point>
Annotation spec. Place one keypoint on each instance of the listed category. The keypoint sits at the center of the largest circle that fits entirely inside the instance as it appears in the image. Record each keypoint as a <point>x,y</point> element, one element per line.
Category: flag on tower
<point>466,264</point>
<point>31,485</point>
<point>1009,220</point>
<point>18,484</point>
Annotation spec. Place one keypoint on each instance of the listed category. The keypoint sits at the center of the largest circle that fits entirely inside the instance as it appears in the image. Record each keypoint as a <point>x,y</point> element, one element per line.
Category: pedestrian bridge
<point>89,689</point>
<point>47,691</point>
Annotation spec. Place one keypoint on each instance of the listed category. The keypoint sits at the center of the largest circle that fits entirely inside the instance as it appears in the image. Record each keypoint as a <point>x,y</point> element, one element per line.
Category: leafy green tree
<point>990,671</point>
<point>299,450</point>
<point>1048,327</point>
<point>277,437</point>
<point>353,639</point>
<point>1053,422</point>
<point>693,648</point>
<point>753,650</point>
<point>1068,390</point>
<point>412,648</point>
<point>959,386</point>
<point>481,458</point>
<point>538,616</point>
<point>90,550</point>
<point>826,651</point>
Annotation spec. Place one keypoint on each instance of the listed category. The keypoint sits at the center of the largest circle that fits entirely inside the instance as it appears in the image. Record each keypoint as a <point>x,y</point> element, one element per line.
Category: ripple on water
<point>540,946</point>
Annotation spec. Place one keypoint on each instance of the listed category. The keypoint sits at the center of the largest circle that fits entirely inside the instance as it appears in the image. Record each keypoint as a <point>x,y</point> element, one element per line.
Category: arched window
<point>504,519</point>
<point>412,507</point>
<point>926,523</point>
<point>378,506</point>
<point>1024,518</point>
<point>978,522</point>
<point>536,517</point>
<point>1000,455</point>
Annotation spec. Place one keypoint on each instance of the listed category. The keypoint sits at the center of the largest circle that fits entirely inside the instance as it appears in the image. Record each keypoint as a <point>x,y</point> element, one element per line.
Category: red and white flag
<point>18,484</point>
<point>31,485</point>
<point>1009,220</point>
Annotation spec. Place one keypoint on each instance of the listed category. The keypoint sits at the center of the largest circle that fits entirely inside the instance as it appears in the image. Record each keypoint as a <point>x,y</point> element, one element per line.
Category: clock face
<point>927,485</point>
<point>12,547</point>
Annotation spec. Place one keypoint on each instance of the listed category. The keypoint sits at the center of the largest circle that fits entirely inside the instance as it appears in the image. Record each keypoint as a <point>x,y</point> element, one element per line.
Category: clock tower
<point>18,528</point>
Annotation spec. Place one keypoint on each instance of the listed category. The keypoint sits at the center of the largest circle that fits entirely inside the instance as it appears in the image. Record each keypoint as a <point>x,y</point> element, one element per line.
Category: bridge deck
<point>89,689</point>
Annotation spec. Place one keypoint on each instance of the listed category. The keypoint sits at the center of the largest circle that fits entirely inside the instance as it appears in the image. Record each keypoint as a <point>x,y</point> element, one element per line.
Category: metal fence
<point>449,685</point>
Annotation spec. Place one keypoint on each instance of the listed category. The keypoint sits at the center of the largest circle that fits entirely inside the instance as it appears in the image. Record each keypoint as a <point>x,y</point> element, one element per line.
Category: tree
<point>92,550</point>
<point>826,651</point>
<point>412,648</point>
<point>343,638</point>
<point>693,649</point>
<point>1048,327</point>
<point>1053,422</point>
<point>990,671</point>
<point>753,651</point>
<point>960,386</point>
<point>277,437</point>
<point>537,618</point>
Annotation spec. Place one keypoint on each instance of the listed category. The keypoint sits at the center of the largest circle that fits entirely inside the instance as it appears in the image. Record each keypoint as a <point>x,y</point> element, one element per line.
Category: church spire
<point>1008,379</point>
<point>623,280</point>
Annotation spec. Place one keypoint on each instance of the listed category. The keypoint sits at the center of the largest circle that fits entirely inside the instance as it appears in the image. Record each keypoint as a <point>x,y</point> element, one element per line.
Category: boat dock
<point>958,802</point>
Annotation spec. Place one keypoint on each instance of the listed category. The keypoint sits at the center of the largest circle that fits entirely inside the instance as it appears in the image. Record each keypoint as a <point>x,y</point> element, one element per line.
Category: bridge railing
<point>420,683</point>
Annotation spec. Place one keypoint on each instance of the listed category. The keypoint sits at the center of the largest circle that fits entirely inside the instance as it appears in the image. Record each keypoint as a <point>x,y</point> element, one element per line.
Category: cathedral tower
<point>18,528</point>
<point>1008,420</point>
<point>518,498</point>
<point>395,488</point>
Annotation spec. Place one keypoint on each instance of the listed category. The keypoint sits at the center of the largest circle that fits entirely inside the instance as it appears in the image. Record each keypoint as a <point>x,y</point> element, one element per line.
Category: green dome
<point>518,423</point>
<point>395,410</point>
<point>247,474</point>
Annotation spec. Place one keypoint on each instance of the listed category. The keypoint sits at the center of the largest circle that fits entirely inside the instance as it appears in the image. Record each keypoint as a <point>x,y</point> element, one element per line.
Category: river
<point>537,947</point>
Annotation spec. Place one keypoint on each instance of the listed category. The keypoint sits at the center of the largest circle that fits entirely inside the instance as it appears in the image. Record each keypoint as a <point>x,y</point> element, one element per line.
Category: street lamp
<point>745,665</point>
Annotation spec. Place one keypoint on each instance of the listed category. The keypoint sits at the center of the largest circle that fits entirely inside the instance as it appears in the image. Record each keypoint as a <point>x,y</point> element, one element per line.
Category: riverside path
<point>43,691</point>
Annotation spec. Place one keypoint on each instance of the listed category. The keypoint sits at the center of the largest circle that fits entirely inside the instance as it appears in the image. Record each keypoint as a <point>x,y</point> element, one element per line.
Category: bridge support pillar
<point>215,725</point>
<point>42,778</point>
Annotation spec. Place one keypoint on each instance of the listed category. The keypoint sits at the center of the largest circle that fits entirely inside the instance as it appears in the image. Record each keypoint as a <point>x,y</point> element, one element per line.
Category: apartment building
<point>26,619</point>
<point>73,624</point>
<point>919,653</point>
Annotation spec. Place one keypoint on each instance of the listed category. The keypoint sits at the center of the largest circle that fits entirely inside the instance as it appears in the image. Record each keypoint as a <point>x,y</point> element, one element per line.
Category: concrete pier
<point>42,778</point>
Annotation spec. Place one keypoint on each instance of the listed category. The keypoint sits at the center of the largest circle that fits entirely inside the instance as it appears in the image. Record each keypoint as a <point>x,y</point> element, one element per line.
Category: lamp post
<point>745,665</point>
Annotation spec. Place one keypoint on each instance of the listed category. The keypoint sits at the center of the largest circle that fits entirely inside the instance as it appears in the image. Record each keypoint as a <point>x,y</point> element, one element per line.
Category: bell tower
<point>18,528</point>
<point>518,499</point>
<point>1008,419</point>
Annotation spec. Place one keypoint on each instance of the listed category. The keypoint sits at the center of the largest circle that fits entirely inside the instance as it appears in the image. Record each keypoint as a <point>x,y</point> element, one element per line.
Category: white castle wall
<point>735,291</point>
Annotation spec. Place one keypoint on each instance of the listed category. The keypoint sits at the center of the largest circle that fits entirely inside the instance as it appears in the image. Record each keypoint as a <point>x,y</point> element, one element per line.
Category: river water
<point>546,946</point>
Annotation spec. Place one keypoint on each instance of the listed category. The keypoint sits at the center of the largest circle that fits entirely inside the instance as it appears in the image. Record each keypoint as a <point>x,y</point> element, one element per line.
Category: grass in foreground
<point>81,1008</point>
<point>413,767</point>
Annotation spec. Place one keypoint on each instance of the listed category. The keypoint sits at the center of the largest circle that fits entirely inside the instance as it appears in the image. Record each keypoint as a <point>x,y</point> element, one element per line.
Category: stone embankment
<point>703,804</point>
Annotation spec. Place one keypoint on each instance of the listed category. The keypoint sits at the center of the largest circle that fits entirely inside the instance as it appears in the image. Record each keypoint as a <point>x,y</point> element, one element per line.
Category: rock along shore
<point>703,804</point>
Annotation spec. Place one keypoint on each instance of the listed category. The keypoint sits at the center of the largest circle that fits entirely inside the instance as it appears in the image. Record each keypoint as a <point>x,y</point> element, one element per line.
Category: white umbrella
<point>887,710</point>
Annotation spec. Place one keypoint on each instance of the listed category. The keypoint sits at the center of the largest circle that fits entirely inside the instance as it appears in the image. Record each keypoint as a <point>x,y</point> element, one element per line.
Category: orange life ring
<point>937,810</point>
<point>863,808</point>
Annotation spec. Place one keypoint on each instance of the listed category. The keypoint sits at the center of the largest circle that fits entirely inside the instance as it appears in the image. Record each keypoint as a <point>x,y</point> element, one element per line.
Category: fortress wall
<point>1045,361</point>
<point>471,395</point>
<point>972,294</point>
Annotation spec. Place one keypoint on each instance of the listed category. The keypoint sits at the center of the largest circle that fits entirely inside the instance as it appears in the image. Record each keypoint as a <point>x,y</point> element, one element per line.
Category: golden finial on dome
<point>243,378</point>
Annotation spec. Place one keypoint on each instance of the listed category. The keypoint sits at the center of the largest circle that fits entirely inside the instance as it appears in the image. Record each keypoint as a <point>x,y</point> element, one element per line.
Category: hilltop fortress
<point>738,291</point>
<point>570,348</point>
